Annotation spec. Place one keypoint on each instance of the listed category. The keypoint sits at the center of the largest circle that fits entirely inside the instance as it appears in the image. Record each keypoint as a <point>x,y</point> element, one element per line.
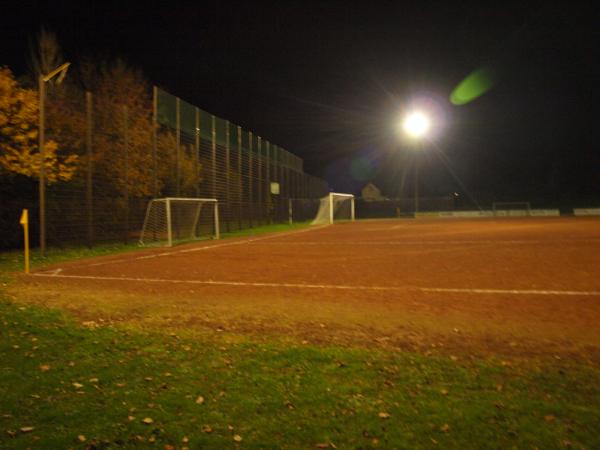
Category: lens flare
<point>473,86</point>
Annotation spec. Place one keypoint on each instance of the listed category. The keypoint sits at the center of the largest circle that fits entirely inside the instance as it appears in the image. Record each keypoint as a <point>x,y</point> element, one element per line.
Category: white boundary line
<point>326,286</point>
<point>206,247</point>
<point>432,242</point>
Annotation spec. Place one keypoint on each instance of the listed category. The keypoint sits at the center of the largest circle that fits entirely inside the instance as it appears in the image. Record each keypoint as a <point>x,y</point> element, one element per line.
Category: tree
<point>19,149</point>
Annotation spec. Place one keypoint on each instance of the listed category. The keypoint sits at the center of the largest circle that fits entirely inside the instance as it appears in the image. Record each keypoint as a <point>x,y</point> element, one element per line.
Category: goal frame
<point>328,217</point>
<point>337,194</point>
<point>168,201</point>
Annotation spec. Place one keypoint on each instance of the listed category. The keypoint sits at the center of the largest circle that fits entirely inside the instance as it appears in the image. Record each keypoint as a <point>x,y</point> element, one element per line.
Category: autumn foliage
<point>19,147</point>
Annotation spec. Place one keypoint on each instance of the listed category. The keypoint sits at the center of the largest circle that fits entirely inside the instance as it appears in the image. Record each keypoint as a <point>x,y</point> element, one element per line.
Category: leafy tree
<point>19,152</point>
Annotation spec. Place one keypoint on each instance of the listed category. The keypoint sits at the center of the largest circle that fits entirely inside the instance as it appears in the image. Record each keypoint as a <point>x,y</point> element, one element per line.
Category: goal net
<point>170,220</point>
<point>511,209</point>
<point>335,207</point>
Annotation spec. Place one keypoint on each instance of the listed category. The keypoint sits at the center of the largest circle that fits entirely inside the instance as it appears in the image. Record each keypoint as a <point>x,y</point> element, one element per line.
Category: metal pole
<point>89,178</point>
<point>330,208</point>
<point>169,227</point>
<point>259,163</point>
<point>269,197</point>
<point>213,160</point>
<point>216,214</point>
<point>126,152</point>
<point>239,174</point>
<point>178,145</point>
<point>42,186</point>
<point>250,196</point>
<point>155,139</point>
<point>416,185</point>
<point>197,152</point>
<point>227,169</point>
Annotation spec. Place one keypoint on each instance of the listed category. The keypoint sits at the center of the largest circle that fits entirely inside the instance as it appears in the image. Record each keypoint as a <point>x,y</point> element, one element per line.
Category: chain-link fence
<point>153,145</point>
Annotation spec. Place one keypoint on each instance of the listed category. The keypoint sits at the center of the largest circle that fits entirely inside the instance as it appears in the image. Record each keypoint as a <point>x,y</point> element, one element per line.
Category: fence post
<point>239,170</point>
<point>250,196</point>
<point>269,197</point>
<point>89,199</point>
<point>126,165</point>
<point>197,151</point>
<point>259,185</point>
<point>155,140</point>
<point>227,194</point>
<point>213,156</point>
<point>42,193</point>
<point>178,146</point>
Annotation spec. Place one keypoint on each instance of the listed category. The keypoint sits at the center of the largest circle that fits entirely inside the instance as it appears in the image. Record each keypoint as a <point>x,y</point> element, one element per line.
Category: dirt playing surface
<point>518,286</point>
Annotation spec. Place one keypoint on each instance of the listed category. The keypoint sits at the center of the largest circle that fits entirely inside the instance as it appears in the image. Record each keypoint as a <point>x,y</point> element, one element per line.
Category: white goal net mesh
<point>335,207</point>
<point>172,220</point>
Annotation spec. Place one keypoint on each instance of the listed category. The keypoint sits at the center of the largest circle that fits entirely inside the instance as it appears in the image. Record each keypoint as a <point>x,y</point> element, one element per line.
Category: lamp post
<point>416,125</point>
<point>62,70</point>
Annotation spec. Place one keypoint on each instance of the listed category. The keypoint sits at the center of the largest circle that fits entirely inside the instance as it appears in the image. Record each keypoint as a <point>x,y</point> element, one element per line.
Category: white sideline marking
<point>429,242</point>
<point>54,272</point>
<point>511,291</point>
<point>206,247</point>
<point>327,286</point>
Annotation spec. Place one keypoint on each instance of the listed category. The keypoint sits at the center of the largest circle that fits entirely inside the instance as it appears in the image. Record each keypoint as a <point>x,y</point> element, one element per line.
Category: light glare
<point>416,124</point>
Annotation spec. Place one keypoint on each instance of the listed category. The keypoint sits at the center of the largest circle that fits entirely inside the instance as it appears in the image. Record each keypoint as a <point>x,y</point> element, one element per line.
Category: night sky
<point>328,81</point>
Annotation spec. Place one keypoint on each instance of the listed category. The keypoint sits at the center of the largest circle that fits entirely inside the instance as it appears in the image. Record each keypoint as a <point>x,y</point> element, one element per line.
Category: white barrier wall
<point>586,211</point>
<point>489,213</point>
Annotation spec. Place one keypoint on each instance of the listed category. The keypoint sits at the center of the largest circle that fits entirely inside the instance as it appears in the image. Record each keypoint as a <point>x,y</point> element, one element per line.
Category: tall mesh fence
<point>152,146</point>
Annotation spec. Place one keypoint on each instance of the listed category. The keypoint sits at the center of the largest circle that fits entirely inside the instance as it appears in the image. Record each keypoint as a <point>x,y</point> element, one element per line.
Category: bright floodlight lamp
<point>416,124</point>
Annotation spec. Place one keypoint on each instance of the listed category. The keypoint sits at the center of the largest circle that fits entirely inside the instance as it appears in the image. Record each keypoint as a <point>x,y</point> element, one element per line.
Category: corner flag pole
<point>25,223</point>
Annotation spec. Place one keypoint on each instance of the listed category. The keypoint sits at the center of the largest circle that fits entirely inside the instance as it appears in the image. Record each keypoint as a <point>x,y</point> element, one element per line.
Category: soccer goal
<point>335,207</point>
<point>511,209</point>
<point>170,220</point>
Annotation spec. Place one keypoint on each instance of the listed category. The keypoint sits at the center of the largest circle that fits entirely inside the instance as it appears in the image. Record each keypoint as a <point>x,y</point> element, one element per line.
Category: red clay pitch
<point>520,285</point>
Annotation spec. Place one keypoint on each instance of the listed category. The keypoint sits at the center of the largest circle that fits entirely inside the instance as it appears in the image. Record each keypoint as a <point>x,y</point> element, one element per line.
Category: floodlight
<point>416,124</point>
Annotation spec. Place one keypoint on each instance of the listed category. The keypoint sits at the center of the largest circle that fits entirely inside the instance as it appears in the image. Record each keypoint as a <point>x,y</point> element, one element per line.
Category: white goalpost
<point>174,219</point>
<point>335,207</point>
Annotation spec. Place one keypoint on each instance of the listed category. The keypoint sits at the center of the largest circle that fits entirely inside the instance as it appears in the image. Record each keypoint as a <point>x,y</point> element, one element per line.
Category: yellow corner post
<point>25,223</point>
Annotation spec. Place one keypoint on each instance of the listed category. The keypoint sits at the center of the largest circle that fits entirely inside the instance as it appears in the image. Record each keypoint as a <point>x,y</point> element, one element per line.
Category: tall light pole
<point>416,125</point>
<point>62,70</point>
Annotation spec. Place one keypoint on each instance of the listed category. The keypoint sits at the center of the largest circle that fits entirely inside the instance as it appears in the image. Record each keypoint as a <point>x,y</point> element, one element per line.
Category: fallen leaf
<point>81,438</point>
<point>237,438</point>
<point>185,440</point>
<point>93,380</point>
<point>444,392</point>
<point>200,400</point>
<point>44,367</point>
<point>77,385</point>
<point>148,421</point>
<point>549,418</point>
<point>169,447</point>
<point>131,418</point>
<point>445,428</point>
<point>384,415</point>
<point>322,445</point>
<point>206,429</point>
<point>26,429</point>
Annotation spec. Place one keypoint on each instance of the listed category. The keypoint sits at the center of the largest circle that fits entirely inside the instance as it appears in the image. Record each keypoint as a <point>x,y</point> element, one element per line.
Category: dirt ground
<point>510,287</point>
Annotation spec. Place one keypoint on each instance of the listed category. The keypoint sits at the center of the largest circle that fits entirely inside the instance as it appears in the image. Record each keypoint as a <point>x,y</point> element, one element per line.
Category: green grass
<point>272,394</point>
